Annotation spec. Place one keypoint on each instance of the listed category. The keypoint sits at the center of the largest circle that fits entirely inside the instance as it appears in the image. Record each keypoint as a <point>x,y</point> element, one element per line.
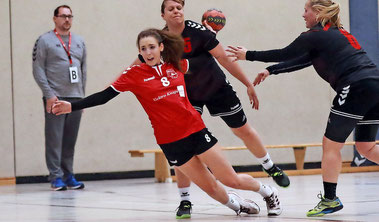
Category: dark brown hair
<point>56,11</point>
<point>173,45</point>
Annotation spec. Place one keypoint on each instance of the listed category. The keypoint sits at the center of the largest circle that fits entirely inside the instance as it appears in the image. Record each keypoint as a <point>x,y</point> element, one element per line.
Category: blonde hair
<point>328,12</point>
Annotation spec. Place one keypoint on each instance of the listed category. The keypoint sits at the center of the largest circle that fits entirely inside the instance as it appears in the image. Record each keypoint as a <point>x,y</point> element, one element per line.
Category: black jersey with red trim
<point>334,53</point>
<point>208,77</point>
<point>161,91</point>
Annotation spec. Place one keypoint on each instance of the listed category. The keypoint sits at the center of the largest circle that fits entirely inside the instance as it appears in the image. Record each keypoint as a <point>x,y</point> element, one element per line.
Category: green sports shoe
<point>278,175</point>
<point>325,206</point>
<point>184,210</point>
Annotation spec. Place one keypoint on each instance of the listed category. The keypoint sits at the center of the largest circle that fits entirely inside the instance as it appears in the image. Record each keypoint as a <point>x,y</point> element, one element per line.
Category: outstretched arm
<point>291,65</point>
<point>237,52</point>
<point>300,46</point>
<point>100,98</point>
<point>287,66</point>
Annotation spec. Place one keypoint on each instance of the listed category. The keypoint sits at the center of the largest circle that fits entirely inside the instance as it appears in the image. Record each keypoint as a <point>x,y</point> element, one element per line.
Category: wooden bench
<point>162,168</point>
<point>7,181</point>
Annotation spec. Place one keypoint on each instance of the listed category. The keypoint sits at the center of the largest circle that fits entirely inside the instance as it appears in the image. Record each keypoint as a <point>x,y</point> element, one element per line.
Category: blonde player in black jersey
<point>338,59</point>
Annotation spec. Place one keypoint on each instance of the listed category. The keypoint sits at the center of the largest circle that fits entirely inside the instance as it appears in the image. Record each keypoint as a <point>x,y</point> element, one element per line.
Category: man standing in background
<point>59,68</point>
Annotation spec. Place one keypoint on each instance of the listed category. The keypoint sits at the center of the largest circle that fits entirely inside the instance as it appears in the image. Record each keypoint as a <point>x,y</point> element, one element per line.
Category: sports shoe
<point>58,185</point>
<point>246,205</point>
<point>73,184</point>
<point>278,175</point>
<point>325,206</point>
<point>184,210</point>
<point>274,207</point>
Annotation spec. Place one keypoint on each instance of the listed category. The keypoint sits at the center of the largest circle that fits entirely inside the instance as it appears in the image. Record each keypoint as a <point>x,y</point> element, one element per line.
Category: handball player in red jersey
<point>178,127</point>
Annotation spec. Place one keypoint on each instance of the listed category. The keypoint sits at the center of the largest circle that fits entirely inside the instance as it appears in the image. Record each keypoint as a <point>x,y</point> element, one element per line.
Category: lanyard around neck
<point>64,45</point>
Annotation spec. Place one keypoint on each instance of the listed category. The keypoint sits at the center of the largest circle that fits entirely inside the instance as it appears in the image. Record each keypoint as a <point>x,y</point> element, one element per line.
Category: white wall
<point>293,107</point>
<point>6,121</point>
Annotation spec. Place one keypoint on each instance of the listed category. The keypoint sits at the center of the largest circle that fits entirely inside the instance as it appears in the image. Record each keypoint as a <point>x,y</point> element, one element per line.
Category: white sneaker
<point>246,205</point>
<point>274,207</point>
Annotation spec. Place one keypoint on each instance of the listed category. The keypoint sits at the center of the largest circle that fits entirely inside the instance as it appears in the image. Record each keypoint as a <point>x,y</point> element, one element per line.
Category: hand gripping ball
<point>215,18</point>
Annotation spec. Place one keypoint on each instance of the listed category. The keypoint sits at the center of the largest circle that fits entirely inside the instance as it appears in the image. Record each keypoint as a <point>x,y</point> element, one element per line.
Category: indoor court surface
<point>144,200</point>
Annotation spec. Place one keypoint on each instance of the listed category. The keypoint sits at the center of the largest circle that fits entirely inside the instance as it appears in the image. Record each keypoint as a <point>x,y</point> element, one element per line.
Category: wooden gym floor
<point>144,200</point>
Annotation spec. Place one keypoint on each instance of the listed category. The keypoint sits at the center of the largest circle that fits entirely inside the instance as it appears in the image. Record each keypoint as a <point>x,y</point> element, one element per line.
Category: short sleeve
<point>212,41</point>
<point>208,39</point>
<point>184,65</point>
<point>125,81</point>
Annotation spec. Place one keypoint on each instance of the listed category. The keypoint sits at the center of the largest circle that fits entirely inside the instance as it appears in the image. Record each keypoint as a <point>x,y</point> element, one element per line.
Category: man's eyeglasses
<point>65,16</point>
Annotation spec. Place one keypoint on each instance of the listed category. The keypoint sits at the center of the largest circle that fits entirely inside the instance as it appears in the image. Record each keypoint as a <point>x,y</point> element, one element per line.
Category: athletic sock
<point>264,191</point>
<point>233,204</point>
<point>266,161</point>
<point>330,190</point>
<point>184,193</point>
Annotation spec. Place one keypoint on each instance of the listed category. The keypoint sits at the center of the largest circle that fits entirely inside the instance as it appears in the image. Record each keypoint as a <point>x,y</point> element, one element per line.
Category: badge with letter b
<point>74,75</point>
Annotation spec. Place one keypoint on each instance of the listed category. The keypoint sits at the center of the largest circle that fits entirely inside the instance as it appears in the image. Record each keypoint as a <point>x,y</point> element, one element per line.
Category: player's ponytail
<point>328,12</point>
<point>173,48</point>
<point>173,45</point>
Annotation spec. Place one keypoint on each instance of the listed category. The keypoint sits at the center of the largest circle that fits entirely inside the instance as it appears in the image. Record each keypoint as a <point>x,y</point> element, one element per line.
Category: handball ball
<point>215,18</point>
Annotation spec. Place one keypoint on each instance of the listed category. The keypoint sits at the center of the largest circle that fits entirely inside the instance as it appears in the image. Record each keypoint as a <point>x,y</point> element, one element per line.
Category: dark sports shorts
<point>225,104</point>
<point>355,106</point>
<point>179,152</point>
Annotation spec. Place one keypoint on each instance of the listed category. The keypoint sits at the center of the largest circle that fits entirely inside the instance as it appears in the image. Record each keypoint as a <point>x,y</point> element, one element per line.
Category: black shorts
<point>226,104</point>
<point>179,152</point>
<point>355,106</point>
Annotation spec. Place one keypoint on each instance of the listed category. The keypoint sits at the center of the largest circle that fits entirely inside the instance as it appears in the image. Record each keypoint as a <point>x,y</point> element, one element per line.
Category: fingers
<point>57,113</point>
<point>236,48</point>
<point>256,103</point>
<point>234,53</point>
<point>55,108</point>
<point>205,23</point>
<point>253,97</point>
<point>233,48</point>
<point>235,56</point>
<point>261,77</point>
<point>49,103</point>
<point>257,80</point>
<point>49,106</point>
<point>58,108</point>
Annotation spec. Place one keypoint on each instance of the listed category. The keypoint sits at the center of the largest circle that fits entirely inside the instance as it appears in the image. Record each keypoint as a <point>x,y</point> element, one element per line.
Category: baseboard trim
<point>91,176</point>
<point>254,170</point>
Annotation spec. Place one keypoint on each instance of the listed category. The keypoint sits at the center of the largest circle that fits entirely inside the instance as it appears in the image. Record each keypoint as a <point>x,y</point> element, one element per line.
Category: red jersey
<point>162,93</point>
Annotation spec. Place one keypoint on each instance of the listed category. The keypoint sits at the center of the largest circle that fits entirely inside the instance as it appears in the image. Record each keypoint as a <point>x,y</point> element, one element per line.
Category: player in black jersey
<point>208,86</point>
<point>338,59</point>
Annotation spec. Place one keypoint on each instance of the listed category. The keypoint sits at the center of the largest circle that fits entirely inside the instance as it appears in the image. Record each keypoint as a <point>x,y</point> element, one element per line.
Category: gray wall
<point>293,107</point>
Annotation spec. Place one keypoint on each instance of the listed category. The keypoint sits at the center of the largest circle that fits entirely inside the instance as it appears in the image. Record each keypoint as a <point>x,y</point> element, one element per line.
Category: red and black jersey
<point>162,93</point>
<point>207,78</point>
<point>334,53</point>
